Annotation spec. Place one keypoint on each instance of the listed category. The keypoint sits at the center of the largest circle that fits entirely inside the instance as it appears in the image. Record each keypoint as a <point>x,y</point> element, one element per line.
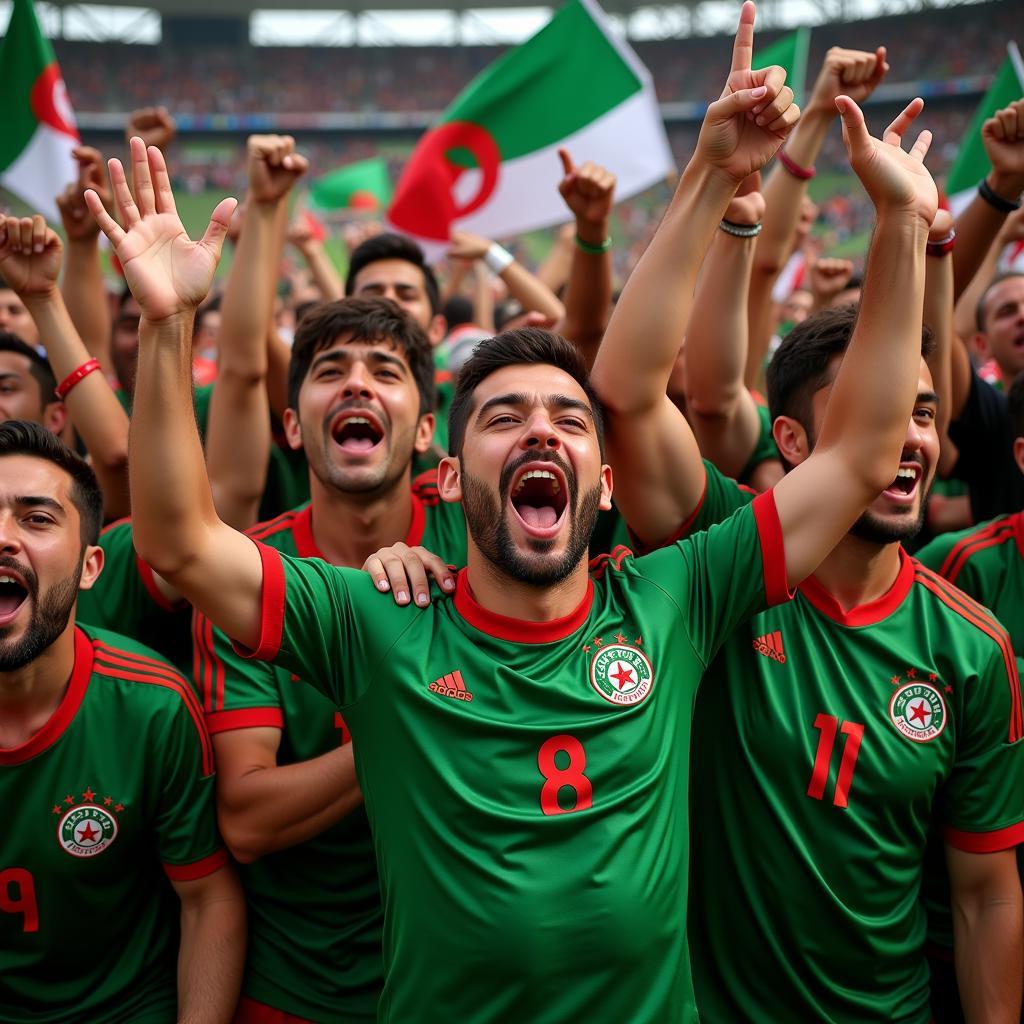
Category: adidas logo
<point>770,645</point>
<point>451,685</point>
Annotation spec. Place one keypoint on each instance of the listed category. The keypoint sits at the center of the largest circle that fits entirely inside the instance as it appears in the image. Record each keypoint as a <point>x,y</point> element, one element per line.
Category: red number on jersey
<point>827,725</point>
<point>18,896</point>
<point>571,775</point>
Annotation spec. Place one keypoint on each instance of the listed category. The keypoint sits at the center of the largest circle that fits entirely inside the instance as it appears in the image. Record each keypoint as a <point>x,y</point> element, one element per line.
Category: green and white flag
<point>364,185</point>
<point>789,52</point>
<point>38,131</point>
<point>972,164</point>
<point>490,165</point>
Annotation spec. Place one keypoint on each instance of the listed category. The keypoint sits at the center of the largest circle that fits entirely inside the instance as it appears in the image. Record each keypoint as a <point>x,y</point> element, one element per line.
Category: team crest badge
<point>621,674</point>
<point>87,830</point>
<point>918,711</point>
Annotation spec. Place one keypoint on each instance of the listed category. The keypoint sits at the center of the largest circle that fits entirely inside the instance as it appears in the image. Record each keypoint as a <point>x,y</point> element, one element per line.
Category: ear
<point>292,429</point>
<point>55,417</point>
<point>449,479</point>
<point>424,433</point>
<point>92,566</point>
<point>791,440</point>
<point>437,330</point>
<point>979,346</point>
<point>606,489</point>
<point>1018,452</point>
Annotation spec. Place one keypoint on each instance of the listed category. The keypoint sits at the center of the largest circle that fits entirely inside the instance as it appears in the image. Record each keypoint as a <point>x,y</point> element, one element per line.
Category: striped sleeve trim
<point>961,553</point>
<point>198,868</point>
<point>599,564</point>
<point>975,614</point>
<point>118,664</point>
<point>244,718</point>
<point>207,666</point>
<point>773,549</point>
<point>272,604</point>
<point>986,842</point>
<point>263,530</point>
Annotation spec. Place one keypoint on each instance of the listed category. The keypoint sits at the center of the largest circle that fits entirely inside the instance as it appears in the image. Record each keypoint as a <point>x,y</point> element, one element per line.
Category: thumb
<point>567,165</point>
<point>855,130</point>
<point>217,229</point>
<point>736,103</point>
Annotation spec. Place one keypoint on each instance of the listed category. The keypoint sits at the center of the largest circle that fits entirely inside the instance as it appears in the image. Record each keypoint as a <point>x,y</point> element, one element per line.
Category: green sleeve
<point>934,553</point>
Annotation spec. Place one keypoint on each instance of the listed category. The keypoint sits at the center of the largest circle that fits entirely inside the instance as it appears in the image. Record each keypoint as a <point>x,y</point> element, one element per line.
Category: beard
<point>488,526</point>
<point>50,615</point>
<point>362,480</point>
<point>878,529</point>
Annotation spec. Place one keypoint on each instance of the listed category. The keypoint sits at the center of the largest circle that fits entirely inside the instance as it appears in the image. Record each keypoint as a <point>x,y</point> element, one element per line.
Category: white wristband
<point>497,258</point>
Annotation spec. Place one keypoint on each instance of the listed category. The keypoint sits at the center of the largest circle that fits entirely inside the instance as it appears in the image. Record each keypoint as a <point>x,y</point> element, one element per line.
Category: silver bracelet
<point>498,259</point>
<point>740,230</point>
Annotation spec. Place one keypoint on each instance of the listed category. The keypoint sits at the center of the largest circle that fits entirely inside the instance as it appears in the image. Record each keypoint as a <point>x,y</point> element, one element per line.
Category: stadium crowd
<point>486,642</point>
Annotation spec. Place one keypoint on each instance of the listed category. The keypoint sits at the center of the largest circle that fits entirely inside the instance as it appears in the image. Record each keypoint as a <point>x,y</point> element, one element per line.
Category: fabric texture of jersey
<point>314,909</point>
<point>113,796</point>
<point>526,782</point>
<point>125,599</point>
<point>765,449</point>
<point>824,744</point>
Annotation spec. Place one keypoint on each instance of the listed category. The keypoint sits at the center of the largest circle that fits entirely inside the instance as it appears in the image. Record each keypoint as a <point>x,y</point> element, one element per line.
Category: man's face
<point>530,476</point>
<point>898,513</point>
<point>797,308</point>
<point>14,317</point>
<point>209,328</point>
<point>124,343</point>
<point>20,398</point>
<point>1003,313</point>
<point>400,281</point>
<point>358,417</point>
<point>42,561</point>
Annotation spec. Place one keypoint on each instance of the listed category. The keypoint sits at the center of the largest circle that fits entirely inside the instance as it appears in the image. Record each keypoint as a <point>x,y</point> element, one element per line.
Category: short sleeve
<point>984,797</point>
<point>722,576</point>
<point>326,624</point>
<point>765,448</point>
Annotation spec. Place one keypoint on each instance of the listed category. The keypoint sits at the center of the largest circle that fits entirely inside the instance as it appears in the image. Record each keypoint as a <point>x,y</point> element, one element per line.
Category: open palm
<point>166,271</point>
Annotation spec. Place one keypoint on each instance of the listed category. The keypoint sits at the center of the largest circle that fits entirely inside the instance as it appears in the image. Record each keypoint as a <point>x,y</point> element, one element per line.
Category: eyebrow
<point>10,375</point>
<point>928,397</point>
<point>40,501</point>
<point>336,355</point>
<point>521,399</point>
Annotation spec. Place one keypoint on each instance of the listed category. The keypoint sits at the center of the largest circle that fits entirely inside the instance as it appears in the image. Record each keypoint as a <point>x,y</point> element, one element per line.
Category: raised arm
<point>176,527</point>
<point>323,272</point>
<point>30,257</point>
<point>858,452</point>
<point>659,475</point>
<point>938,315</point>
<point>238,431</point>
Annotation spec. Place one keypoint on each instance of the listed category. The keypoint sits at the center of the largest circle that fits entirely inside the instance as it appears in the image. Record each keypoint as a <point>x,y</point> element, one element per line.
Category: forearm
<point>325,277</point>
<point>968,297</point>
<point>989,954</point>
<point>555,268</point>
<point>274,808</point>
<point>483,298</point>
<point>977,227</point>
<point>760,325</point>
<point>588,295</point>
<point>278,358</point>
<point>533,295</point>
<point>211,955</point>
<point>86,298</point>
<point>938,315</point>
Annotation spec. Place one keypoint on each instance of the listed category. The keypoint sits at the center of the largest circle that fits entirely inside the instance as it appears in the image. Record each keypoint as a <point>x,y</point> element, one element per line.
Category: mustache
<point>505,482</point>
<point>31,582</point>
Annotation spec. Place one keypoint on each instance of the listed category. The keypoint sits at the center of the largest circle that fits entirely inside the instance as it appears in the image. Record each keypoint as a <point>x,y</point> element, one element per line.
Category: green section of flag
<point>352,185</point>
<point>789,52</point>
<point>568,75</point>
<point>24,53</point>
<point>972,163</point>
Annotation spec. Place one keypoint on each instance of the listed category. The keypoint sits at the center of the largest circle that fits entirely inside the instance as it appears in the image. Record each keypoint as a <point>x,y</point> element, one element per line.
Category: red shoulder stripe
<point>271,526</point>
<point>973,613</point>
<point>198,868</point>
<point>109,659</point>
<point>212,682</point>
<point>600,563</point>
<point>134,660</point>
<point>967,547</point>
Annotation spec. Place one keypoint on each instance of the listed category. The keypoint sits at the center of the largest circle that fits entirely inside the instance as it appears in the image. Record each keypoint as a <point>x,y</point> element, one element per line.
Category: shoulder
<point>950,553</point>
<point>272,531</point>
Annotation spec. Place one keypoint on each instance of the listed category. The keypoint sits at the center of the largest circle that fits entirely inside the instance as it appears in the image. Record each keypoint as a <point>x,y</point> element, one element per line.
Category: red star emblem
<point>598,642</point>
<point>911,672</point>
<point>932,677</point>
<point>119,807</point>
<point>639,641</point>
<point>586,648</point>
<point>107,801</point>
<point>88,796</point>
<point>623,676</point>
<point>948,688</point>
<point>88,834</point>
<point>895,680</point>
<point>56,808</point>
<point>619,638</point>
<point>69,799</point>
<point>920,713</point>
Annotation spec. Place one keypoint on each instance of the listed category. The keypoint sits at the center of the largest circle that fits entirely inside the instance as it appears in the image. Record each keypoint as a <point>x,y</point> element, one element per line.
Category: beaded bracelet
<point>740,230</point>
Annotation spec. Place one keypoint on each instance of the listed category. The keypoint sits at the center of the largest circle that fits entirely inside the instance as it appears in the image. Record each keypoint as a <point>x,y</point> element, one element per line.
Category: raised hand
<point>747,206</point>
<point>1012,229</point>
<point>896,181</point>
<point>167,272</point>
<point>744,128</point>
<point>941,226</point>
<point>588,190</point>
<point>154,125</point>
<point>827,277</point>
<point>1003,138</point>
<point>30,255</point>
<point>853,73</point>
<point>467,246</point>
<point>79,226</point>
<point>274,167</point>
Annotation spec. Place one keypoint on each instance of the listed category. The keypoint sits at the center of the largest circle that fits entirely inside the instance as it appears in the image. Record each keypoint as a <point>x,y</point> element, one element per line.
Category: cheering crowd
<point>495,647</point>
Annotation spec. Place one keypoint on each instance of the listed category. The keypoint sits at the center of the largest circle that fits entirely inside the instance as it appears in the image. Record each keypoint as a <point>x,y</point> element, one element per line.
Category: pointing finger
<point>903,120</point>
<point>743,47</point>
<point>567,164</point>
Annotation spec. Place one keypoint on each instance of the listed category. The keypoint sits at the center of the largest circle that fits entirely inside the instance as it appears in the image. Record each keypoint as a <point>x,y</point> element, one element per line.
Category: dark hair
<point>389,246</point>
<point>855,281</point>
<point>1015,404</point>
<point>37,365</point>
<point>210,306</point>
<point>458,310</point>
<point>979,310</point>
<point>523,346</point>
<point>362,320</point>
<point>23,437</point>
<point>800,367</point>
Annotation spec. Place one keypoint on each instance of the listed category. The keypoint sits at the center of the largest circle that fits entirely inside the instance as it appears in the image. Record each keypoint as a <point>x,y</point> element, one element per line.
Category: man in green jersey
<point>523,745</point>
<point>361,400</point>
<point>829,731</point>
<point>106,774</point>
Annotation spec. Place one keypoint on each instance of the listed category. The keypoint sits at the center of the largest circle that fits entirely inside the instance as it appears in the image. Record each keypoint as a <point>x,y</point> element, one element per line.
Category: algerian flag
<point>972,164</point>
<point>789,52</point>
<point>360,186</point>
<point>38,131</point>
<point>491,163</point>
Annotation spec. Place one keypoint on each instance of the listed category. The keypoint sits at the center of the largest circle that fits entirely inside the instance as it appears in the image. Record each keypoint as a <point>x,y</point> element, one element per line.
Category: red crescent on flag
<point>50,104</point>
<point>424,202</point>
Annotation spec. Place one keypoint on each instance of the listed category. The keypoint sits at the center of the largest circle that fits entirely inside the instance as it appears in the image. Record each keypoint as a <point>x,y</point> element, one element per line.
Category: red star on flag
<point>88,796</point>
<point>920,713</point>
<point>88,834</point>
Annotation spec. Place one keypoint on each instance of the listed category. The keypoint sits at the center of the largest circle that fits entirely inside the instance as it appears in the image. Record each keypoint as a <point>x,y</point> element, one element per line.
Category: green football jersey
<point>113,796</point>
<point>315,916</point>
<point>126,599</point>
<point>765,449</point>
<point>986,562</point>
<point>526,783</point>
<point>825,742</point>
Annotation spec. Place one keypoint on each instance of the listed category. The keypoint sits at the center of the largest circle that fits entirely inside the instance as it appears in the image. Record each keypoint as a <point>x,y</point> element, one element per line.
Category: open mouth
<point>357,434</point>
<point>905,485</point>
<point>13,594</point>
<point>539,499</point>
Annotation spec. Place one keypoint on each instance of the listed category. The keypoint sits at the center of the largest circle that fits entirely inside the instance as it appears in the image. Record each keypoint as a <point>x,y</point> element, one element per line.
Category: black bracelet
<point>995,200</point>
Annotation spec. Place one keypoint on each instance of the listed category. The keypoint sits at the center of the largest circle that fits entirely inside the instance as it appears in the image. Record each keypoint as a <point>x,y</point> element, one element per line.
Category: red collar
<point>501,627</point>
<point>863,614</point>
<point>58,722</point>
<point>306,546</point>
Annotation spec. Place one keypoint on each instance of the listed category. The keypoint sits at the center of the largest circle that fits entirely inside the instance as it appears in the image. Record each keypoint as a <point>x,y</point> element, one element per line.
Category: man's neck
<point>502,594</point>
<point>31,694</point>
<point>858,571</point>
<point>348,528</point>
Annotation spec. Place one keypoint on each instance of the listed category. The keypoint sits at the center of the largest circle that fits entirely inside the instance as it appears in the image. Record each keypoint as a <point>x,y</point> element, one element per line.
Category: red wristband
<point>803,173</point>
<point>943,246</point>
<point>75,377</point>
